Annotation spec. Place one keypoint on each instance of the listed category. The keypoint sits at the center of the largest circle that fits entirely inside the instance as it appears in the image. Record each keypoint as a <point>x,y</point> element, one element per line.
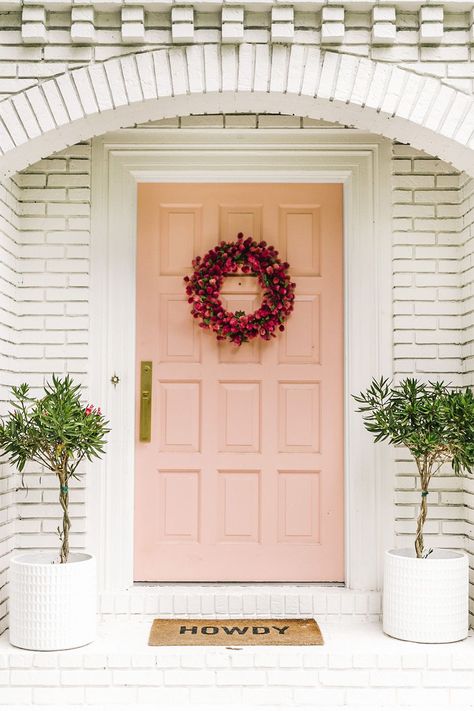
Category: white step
<point>329,603</point>
<point>358,667</point>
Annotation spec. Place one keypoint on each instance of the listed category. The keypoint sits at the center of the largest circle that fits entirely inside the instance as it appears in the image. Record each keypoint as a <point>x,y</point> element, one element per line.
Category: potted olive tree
<point>53,594</point>
<point>425,596</point>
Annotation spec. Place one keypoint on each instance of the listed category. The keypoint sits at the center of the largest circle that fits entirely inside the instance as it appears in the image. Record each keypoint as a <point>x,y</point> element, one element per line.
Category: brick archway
<point>299,80</point>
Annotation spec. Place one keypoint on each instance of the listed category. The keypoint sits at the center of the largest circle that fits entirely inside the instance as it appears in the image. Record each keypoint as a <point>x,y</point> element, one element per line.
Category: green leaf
<point>56,430</point>
<point>433,420</point>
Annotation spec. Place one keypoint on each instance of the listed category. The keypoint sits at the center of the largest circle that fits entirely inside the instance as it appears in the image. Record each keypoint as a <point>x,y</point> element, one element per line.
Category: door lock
<point>146,371</point>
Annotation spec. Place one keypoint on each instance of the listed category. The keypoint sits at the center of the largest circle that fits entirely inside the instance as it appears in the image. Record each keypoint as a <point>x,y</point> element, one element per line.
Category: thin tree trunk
<point>425,476</point>
<point>64,501</point>
<point>419,544</point>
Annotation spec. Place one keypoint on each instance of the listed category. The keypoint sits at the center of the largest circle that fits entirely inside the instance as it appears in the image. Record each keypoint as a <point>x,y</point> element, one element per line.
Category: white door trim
<point>362,163</point>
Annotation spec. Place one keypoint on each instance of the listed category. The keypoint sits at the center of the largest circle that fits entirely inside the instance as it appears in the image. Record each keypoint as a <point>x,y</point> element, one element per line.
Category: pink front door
<point>243,477</point>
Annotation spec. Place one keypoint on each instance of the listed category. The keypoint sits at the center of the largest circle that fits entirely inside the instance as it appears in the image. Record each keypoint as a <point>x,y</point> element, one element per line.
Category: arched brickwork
<point>302,80</point>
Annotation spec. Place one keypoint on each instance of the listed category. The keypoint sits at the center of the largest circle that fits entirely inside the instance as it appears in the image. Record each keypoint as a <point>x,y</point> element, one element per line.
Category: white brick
<point>382,13</point>
<point>147,75</point>
<point>183,32</point>
<point>232,32</point>
<point>179,677</point>
<point>12,123</point>
<point>178,71</point>
<point>69,97</point>
<point>85,91</point>
<point>33,13</point>
<point>279,72</point>
<point>332,32</point>
<point>240,678</point>
<point>283,14</point>
<point>262,67</point>
<point>295,69</point>
<point>83,32</point>
<point>33,32</point>
<point>16,696</point>
<point>384,33</point>
<point>285,677</point>
<point>100,85</point>
<point>86,677</point>
<point>53,97</point>
<point>344,678</point>
<point>395,679</point>
<point>131,80</point>
<point>228,68</point>
<point>283,31</point>
<point>34,677</point>
<point>82,13</point>
<point>133,32</point>
<point>133,14</point>
<point>346,77</point>
<point>431,13</point>
<point>195,69</point>
<point>28,118</point>
<point>361,82</point>
<point>332,13</point>
<point>117,87</point>
<point>431,32</point>
<point>232,14</point>
<point>182,14</point>
<point>328,76</point>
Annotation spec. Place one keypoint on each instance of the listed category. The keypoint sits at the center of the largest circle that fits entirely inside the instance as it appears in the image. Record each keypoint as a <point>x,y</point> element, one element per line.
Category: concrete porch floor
<point>358,667</point>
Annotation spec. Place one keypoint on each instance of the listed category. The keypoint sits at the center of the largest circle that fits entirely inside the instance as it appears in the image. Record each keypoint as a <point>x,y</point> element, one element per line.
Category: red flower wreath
<point>248,257</point>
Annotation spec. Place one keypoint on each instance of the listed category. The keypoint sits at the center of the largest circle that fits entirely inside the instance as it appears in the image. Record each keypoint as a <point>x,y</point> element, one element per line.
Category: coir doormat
<point>230,633</point>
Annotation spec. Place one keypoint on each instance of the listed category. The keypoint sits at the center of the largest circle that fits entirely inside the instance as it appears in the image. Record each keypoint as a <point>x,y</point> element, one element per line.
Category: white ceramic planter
<point>52,605</point>
<point>426,599</point>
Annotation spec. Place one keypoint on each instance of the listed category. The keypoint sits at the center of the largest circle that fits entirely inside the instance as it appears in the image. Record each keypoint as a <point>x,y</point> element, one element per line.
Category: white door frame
<point>362,164</point>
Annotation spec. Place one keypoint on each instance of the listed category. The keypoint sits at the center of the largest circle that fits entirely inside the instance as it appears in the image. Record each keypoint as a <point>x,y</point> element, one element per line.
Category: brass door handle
<point>146,384</point>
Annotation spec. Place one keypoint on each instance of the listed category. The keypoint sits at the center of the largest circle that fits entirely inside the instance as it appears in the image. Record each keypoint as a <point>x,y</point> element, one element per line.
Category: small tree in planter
<point>436,424</point>
<point>57,431</point>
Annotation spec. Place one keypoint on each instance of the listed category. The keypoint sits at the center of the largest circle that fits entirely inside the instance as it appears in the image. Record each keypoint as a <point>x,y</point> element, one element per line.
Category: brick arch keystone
<point>299,80</point>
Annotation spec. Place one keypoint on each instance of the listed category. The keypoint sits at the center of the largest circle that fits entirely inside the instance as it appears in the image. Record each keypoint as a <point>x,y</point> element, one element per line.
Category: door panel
<point>243,477</point>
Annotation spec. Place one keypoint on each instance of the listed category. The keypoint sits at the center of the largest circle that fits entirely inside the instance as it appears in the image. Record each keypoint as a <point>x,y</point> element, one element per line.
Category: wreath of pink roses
<point>243,256</point>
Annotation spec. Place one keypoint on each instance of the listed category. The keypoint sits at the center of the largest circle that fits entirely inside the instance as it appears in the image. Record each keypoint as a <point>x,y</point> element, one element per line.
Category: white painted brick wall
<point>9,224</point>
<point>467,316</point>
<point>45,48</point>
<point>427,254</point>
<point>53,259</point>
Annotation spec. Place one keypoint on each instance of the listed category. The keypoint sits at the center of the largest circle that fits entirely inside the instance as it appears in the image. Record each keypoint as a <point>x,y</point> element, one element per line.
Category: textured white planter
<point>426,599</point>
<point>52,606</point>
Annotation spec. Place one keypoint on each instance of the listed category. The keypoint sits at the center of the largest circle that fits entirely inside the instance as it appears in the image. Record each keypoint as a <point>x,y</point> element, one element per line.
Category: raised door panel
<point>179,416</point>
<point>299,417</point>
<point>298,506</point>
<point>180,237</point>
<point>239,417</point>
<point>300,238</point>
<point>240,218</point>
<point>179,505</point>
<point>178,333</point>
<point>239,506</point>
<point>300,342</point>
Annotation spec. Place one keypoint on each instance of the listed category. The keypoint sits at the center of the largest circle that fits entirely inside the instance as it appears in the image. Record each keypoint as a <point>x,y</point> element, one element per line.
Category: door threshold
<point>234,584</point>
